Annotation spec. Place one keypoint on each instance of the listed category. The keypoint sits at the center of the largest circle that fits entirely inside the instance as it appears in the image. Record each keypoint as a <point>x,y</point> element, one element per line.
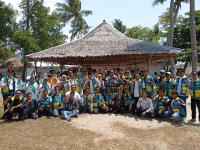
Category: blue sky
<point>131,12</point>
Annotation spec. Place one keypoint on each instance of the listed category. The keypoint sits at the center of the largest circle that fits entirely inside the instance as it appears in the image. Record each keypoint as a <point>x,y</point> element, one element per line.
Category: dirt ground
<point>102,131</point>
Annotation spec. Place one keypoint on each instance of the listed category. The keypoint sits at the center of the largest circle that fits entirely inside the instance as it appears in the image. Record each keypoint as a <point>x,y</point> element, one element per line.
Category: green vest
<point>195,88</point>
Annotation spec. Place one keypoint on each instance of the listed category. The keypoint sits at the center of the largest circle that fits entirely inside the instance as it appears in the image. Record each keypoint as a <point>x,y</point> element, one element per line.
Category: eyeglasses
<point>17,93</point>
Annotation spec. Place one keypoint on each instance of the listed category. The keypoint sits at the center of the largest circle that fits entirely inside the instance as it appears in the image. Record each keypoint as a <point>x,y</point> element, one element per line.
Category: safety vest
<point>97,100</point>
<point>87,99</point>
<point>148,84</point>
<point>195,88</point>
<point>176,106</point>
<point>158,84</point>
<point>32,105</point>
<point>168,86</point>
<point>56,101</point>
<point>108,99</point>
<point>127,98</point>
<point>159,103</point>
<point>184,85</point>
<point>45,101</point>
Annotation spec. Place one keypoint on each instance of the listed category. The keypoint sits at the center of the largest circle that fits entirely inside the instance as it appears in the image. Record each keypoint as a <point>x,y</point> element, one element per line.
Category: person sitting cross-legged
<point>30,107</point>
<point>145,106</point>
<point>70,107</point>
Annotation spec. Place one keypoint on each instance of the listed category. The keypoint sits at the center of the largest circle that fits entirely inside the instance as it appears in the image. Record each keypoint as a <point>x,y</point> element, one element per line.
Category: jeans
<point>175,116</point>
<point>69,114</point>
<point>30,113</point>
<point>149,112</point>
<point>194,103</point>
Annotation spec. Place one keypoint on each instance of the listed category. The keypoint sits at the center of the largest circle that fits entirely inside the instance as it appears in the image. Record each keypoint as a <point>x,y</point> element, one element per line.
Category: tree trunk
<point>171,36</point>
<point>193,35</point>
<point>24,50</point>
<point>185,65</point>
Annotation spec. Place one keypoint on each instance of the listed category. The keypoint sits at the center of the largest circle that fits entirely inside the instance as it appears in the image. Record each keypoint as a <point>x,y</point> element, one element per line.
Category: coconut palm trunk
<point>193,35</point>
<point>171,36</point>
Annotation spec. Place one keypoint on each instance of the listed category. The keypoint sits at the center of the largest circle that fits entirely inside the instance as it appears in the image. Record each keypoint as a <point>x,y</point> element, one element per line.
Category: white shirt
<point>179,85</point>
<point>136,89</point>
<point>91,87</point>
<point>77,96</point>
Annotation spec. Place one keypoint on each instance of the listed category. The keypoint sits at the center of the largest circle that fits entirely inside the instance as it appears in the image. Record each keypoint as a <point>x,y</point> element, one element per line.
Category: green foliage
<point>5,53</point>
<point>38,29</point>
<point>144,33</point>
<point>182,37</point>
<point>7,21</point>
<point>70,11</point>
<point>26,41</point>
<point>117,23</point>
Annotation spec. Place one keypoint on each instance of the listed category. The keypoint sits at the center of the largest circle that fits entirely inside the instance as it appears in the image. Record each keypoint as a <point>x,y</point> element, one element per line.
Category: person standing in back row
<point>194,87</point>
<point>148,84</point>
<point>182,86</point>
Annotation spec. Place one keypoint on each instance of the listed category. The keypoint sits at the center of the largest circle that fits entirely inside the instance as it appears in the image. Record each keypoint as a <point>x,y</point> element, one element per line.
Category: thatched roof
<point>104,43</point>
<point>12,63</point>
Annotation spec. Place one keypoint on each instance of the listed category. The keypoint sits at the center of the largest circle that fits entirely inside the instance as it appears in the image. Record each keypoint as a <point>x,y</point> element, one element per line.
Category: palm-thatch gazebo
<point>105,45</point>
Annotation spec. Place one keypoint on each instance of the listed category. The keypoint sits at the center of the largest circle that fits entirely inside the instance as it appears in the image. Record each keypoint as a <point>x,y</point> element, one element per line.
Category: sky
<point>131,12</point>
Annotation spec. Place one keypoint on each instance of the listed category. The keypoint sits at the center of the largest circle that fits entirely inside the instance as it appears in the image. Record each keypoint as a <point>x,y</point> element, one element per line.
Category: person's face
<point>181,73</point>
<point>119,90</point>
<point>45,93</point>
<point>90,76</point>
<point>17,94</point>
<point>144,94</point>
<point>127,91</point>
<point>174,95</point>
<point>10,73</point>
<point>145,73</point>
<point>97,90</point>
<point>29,97</point>
<point>111,73</point>
<point>168,76</point>
<point>162,74</point>
<point>194,76</point>
<point>99,76</point>
<point>137,76</point>
<point>87,93</point>
<point>161,93</point>
<point>108,91</point>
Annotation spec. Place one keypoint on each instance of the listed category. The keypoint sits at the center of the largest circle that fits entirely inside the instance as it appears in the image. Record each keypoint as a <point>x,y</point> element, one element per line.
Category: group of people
<point>67,94</point>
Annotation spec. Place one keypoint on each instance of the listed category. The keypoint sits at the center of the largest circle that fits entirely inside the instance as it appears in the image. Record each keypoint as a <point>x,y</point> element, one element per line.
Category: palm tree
<point>117,24</point>
<point>193,35</point>
<point>175,5</point>
<point>70,11</point>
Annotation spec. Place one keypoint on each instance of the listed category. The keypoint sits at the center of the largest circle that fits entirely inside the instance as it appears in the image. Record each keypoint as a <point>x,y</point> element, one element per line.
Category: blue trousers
<point>69,114</point>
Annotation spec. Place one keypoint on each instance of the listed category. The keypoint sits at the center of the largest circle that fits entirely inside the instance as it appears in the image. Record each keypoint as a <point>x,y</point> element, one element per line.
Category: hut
<point>104,46</point>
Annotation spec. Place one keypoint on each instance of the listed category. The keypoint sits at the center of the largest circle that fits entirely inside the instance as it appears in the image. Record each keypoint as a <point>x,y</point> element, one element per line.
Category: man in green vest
<point>194,86</point>
<point>15,106</point>
<point>147,82</point>
<point>182,85</point>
